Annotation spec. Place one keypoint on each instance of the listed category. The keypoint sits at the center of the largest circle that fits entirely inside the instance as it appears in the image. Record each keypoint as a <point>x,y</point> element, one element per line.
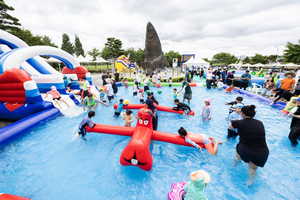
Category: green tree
<point>8,22</point>
<point>67,45</point>
<point>272,58</point>
<point>210,61</point>
<point>105,53</point>
<point>246,60</point>
<point>292,52</point>
<point>140,56</point>
<point>170,55</point>
<point>258,58</point>
<point>46,40</point>
<point>78,50</point>
<point>94,53</point>
<point>27,37</point>
<point>114,47</point>
<point>224,58</point>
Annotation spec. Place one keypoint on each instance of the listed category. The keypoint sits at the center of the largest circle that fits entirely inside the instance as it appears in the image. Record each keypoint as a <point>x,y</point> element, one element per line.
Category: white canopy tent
<point>101,60</point>
<point>82,59</point>
<point>196,62</point>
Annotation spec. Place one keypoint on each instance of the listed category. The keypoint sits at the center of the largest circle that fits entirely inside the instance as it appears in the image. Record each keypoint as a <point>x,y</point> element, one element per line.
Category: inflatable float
<point>137,153</point>
<point>159,108</point>
<point>4,196</point>
<point>177,191</point>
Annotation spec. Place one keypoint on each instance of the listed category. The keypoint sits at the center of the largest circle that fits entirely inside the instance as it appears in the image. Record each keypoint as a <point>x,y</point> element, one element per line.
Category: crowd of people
<point>252,147</point>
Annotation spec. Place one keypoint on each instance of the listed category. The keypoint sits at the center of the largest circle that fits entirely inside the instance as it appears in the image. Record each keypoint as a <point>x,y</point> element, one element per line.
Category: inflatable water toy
<point>137,153</point>
<point>177,191</point>
<point>158,85</point>
<point>159,91</point>
<point>159,108</point>
<point>4,196</point>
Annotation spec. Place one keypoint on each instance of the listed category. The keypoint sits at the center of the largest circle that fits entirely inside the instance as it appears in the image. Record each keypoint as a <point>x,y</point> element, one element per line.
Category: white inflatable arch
<point>14,58</point>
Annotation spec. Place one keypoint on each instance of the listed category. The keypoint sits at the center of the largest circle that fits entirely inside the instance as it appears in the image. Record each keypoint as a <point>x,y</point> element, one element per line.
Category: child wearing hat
<point>141,95</point>
<point>234,116</point>
<point>206,111</point>
<point>56,96</point>
<point>195,188</point>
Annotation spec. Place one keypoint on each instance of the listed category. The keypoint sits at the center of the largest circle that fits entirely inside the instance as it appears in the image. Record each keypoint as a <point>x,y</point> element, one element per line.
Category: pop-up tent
<point>196,62</point>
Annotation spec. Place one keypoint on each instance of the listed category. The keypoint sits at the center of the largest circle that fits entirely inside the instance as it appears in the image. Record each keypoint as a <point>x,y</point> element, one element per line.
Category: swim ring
<point>177,191</point>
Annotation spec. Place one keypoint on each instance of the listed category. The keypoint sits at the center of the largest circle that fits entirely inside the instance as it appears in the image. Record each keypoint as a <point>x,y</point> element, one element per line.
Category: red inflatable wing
<point>159,108</point>
<point>11,197</point>
<point>111,129</point>
<point>137,152</point>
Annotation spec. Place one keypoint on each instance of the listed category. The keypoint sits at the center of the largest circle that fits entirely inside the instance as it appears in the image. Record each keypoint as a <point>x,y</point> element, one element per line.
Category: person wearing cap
<point>150,96</point>
<point>141,95</point>
<point>187,90</point>
<point>245,80</point>
<point>109,90</point>
<point>181,106</point>
<point>206,111</point>
<point>295,124</point>
<point>281,94</point>
<point>91,102</point>
<point>288,83</point>
<point>195,188</point>
<point>153,112</point>
<point>276,76</point>
<point>234,116</point>
<point>154,79</point>
<point>56,96</point>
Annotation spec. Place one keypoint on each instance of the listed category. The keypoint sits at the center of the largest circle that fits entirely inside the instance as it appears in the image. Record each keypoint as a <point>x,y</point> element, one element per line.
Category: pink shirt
<point>54,94</point>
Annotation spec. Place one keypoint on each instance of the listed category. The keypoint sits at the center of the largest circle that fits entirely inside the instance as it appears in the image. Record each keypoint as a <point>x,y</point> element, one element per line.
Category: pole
<point>277,55</point>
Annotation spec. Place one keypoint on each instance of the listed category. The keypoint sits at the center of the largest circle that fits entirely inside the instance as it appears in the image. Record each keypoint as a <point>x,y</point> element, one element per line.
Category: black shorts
<point>231,133</point>
<point>146,88</point>
<point>69,84</point>
<point>187,96</point>
<point>258,158</point>
<point>141,100</point>
<point>134,93</point>
<point>117,114</point>
<point>56,98</point>
<point>110,97</point>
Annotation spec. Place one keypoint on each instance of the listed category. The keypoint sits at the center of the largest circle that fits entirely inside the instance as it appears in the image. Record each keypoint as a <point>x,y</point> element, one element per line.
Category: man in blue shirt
<point>245,80</point>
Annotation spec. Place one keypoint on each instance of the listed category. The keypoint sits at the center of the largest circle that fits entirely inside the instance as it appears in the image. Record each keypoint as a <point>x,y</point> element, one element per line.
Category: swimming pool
<point>49,163</point>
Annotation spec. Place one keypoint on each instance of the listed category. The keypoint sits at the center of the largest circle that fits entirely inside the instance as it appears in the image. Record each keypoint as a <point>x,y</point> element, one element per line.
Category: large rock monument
<point>154,58</point>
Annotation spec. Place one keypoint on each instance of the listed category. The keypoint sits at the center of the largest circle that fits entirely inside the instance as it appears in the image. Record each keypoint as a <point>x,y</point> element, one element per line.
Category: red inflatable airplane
<point>137,152</point>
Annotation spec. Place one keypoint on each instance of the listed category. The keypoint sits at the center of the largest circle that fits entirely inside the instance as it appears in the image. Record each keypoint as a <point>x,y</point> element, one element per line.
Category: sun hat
<point>200,173</point>
<point>239,105</point>
<point>290,73</point>
<point>208,100</point>
<point>53,87</point>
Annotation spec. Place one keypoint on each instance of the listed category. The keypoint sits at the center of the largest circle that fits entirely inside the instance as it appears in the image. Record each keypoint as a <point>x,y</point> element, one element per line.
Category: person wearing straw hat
<point>195,188</point>
<point>288,83</point>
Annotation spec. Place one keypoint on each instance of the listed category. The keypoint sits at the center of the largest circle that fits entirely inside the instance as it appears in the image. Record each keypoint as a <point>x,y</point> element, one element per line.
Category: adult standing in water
<point>188,91</point>
<point>252,147</point>
<point>246,78</point>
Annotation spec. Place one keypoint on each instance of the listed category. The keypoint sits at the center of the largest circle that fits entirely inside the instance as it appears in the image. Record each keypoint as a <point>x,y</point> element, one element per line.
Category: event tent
<point>196,62</point>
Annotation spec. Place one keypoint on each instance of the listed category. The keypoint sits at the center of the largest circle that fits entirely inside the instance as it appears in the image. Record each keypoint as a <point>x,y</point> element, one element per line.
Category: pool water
<point>50,163</point>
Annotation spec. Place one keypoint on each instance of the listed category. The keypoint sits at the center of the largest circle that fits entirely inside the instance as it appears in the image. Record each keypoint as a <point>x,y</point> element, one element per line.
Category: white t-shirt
<point>109,89</point>
<point>220,84</point>
<point>165,76</point>
<point>141,95</point>
<point>146,81</point>
<point>209,76</point>
<point>137,78</point>
<point>158,76</point>
<point>135,88</point>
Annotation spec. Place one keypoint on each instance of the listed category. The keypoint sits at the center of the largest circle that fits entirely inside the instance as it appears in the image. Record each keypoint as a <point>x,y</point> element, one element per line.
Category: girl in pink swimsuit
<point>206,111</point>
<point>193,139</point>
<point>56,96</point>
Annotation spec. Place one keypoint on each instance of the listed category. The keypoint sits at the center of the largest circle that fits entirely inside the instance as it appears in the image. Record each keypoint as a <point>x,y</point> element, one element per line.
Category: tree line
<point>113,46</point>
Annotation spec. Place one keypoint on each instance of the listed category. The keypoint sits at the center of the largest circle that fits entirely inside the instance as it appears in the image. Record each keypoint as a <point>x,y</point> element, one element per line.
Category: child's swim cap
<point>141,90</point>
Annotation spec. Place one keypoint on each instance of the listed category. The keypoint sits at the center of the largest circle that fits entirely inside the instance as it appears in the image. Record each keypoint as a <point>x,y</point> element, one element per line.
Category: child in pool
<point>290,105</point>
<point>119,108</point>
<point>238,100</point>
<point>195,188</point>
<point>230,88</point>
<point>206,111</point>
<point>102,95</point>
<point>141,95</point>
<point>127,116</point>
<point>83,124</point>
<point>135,89</point>
<point>175,94</point>
<point>193,139</point>
<point>56,96</point>
<point>126,83</point>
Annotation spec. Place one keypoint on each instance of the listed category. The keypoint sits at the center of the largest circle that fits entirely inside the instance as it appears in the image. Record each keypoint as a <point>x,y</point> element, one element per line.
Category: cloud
<point>193,26</point>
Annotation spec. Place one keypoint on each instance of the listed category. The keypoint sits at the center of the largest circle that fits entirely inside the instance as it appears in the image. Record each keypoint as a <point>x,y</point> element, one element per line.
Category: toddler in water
<point>141,95</point>
<point>135,89</point>
<point>127,116</point>
<point>119,108</point>
<point>126,83</point>
<point>175,94</point>
<point>56,96</point>
<point>102,95</point>
<point>206,111</point>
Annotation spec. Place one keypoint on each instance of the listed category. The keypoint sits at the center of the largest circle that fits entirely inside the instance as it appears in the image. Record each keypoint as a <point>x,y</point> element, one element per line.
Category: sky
<point>199,27</point>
